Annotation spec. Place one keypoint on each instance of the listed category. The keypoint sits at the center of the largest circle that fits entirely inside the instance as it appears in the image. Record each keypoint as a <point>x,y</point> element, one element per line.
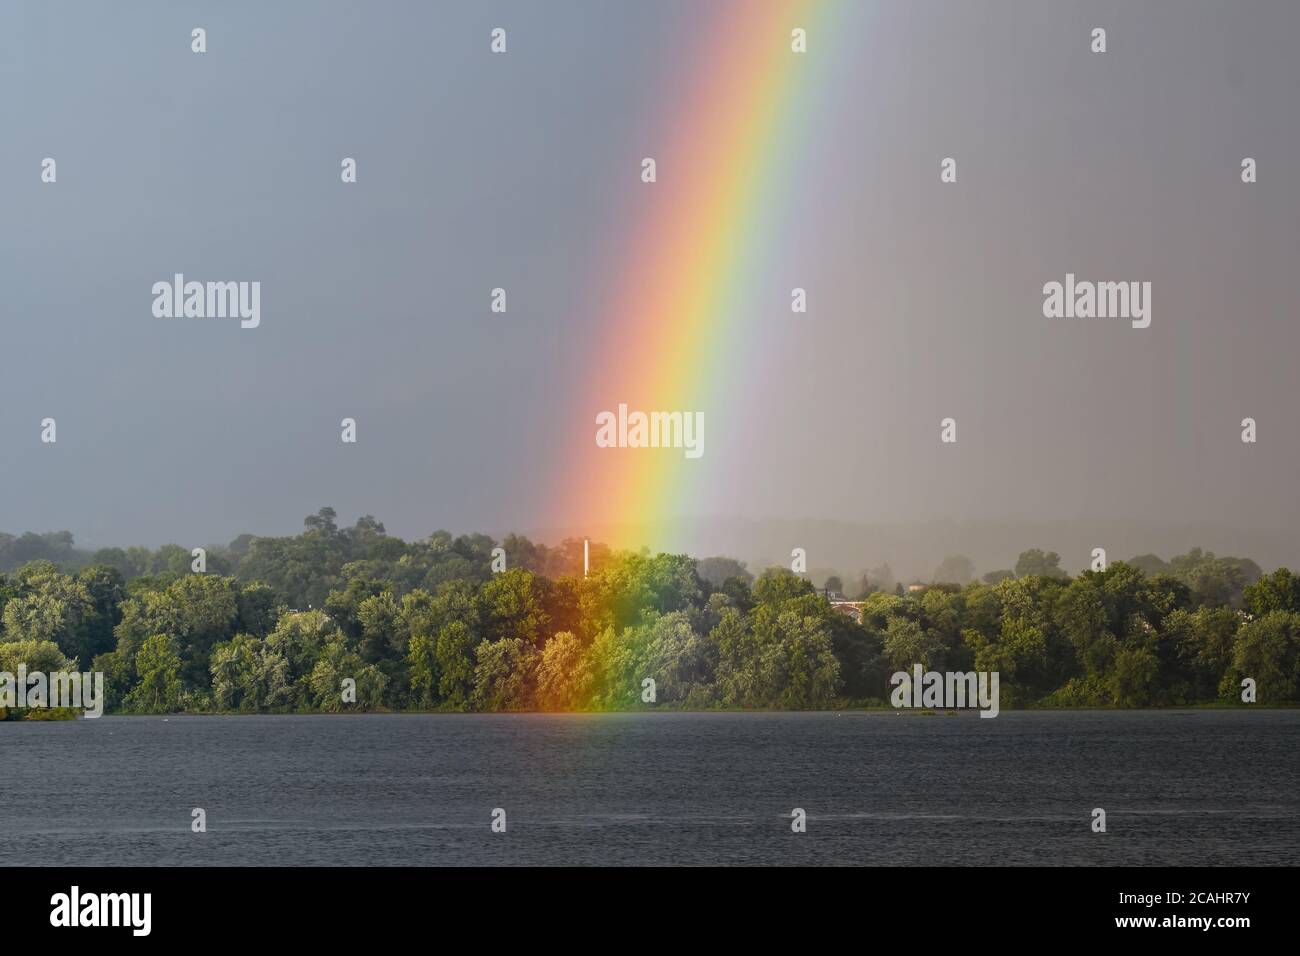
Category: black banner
<point>334,906</point>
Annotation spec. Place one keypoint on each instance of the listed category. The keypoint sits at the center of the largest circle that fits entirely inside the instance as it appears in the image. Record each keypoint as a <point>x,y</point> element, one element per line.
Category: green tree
<point>564,674</point>
<point>106,588</point>
<point>715,571</point>
<point>119,675</point>
<point>1149,564</point>
<point>512,606</point>
<point>1268,650</point>
<point>382,628</point>
<point>1214,580</point>
<point>1132,679</point>
<point>682,663</point>
<point>158,665</point>
<point>504,674</point>
<point>777,585</point>
<point>197,611</point>
<point>235,669</point>
<point>257,609</point>
<point>422,668</point>
<point>455,662</point>
<point>43,656</point>
<point>799,664</point>
<point>1040,563</point>
<point>337,663</point>
<point>618,665</point>
<point>1279,591</point>
<point>52,607</point>
<point>908,644</point>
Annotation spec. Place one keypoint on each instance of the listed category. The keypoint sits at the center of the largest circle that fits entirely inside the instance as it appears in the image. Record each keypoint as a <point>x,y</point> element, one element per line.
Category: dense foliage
<point>277,624</point>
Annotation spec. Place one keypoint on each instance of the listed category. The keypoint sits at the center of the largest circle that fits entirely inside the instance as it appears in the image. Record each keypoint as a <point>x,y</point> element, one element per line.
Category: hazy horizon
<point>913,551</point>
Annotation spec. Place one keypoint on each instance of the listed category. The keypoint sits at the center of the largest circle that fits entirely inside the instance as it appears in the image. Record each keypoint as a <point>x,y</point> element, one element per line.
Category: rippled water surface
<point>1205,787</point>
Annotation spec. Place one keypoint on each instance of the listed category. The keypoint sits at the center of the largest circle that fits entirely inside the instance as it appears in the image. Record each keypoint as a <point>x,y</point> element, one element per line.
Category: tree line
<point>278,624</point>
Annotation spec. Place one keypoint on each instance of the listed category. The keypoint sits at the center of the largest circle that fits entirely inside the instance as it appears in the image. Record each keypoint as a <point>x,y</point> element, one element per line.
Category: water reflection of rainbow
<point>676,314</point>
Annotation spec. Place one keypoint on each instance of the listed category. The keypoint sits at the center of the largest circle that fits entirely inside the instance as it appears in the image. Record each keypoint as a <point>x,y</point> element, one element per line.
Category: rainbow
<point>675,336</point>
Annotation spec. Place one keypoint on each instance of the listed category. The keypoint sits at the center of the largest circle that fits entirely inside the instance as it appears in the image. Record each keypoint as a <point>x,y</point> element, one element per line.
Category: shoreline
<point>969,712</point>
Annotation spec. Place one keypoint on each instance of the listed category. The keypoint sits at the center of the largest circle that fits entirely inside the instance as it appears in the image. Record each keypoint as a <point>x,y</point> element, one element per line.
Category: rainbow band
<point>680,303</point>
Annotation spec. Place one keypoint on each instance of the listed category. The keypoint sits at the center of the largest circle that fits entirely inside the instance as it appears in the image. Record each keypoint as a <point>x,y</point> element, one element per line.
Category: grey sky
<point>478,171</point>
